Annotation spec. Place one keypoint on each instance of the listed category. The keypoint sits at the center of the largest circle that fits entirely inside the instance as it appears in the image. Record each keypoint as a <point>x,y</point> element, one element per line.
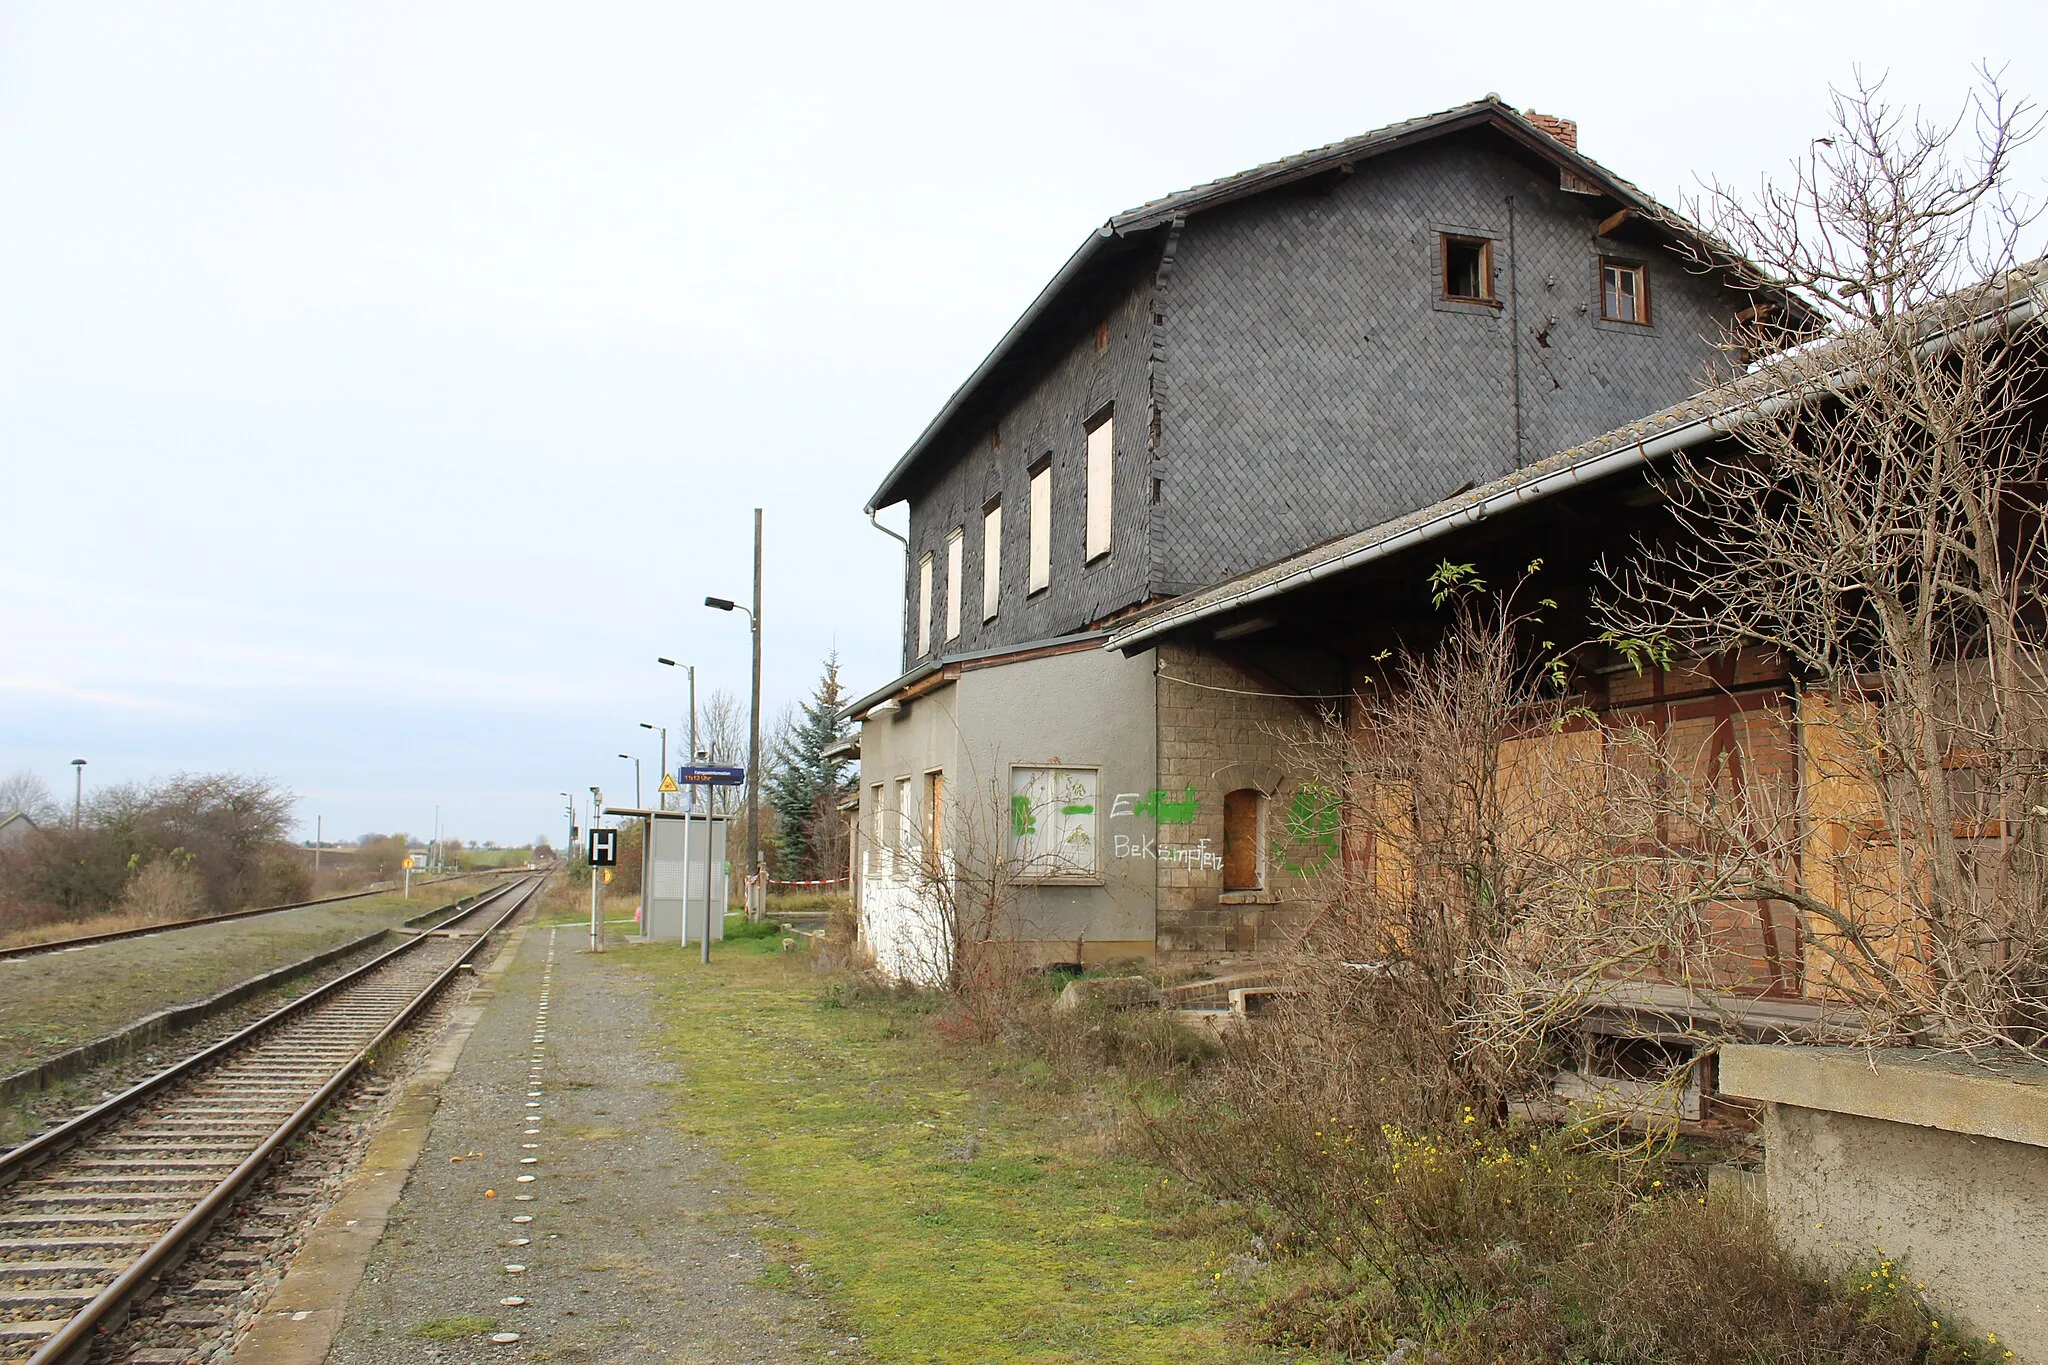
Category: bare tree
<point>1876,522</point>
<point>1467,922</point>
<point>24,791</point>
<point>947,904</point>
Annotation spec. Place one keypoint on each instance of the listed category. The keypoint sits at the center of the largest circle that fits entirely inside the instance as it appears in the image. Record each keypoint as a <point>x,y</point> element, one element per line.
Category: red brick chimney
<point>1563,129</point>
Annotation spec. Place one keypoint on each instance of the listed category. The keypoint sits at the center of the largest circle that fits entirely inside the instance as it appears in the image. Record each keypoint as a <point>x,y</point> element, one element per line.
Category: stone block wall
<point>1222,730</point>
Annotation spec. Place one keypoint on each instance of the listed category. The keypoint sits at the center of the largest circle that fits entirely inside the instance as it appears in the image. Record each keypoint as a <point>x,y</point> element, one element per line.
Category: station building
<point>1216,383</point>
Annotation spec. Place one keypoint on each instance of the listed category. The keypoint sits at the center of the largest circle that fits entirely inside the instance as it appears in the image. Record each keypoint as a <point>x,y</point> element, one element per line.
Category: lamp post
<point>636,779</point>
<point>78,793</point>
<point>648,725</point>
<point>691,669</point>
<point>753,735</point>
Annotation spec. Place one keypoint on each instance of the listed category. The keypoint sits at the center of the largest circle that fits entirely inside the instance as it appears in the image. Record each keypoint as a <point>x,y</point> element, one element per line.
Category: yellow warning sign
<point>607,876</point>
<point>668,783</point>
<point>407,864</point>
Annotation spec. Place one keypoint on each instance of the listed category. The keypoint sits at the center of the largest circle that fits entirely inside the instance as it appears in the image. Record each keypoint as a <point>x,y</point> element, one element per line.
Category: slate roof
<point>2018,297</point>
<point>1123,232</point>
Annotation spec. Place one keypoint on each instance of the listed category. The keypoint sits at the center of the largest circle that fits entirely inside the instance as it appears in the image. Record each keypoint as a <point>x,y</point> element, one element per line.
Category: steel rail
<point>58,945</point>
<point>22,1159</point>
<point>75,1339</point>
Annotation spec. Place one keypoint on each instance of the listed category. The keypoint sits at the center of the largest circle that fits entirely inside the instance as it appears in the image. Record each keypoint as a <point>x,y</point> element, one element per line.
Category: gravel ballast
<point>561,1112</point>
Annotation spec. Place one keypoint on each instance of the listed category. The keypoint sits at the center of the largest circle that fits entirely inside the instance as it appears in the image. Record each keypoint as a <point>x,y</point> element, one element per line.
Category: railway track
<point>58,945</point>
<point>94,1212</point>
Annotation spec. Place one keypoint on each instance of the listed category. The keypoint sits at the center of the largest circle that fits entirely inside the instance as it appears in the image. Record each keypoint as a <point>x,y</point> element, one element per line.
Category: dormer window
<point>1468,269</point>
<point>1624,292</point>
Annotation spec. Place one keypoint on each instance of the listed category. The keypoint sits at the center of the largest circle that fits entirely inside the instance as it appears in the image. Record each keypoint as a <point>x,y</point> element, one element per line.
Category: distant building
<point>15,828</point>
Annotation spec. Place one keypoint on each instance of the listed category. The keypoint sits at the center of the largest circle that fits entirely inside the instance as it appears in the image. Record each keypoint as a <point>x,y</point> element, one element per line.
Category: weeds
<point>454,1329</point>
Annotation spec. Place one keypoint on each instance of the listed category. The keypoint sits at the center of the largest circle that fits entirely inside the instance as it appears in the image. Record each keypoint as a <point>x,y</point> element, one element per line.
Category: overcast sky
<point>383,386</point>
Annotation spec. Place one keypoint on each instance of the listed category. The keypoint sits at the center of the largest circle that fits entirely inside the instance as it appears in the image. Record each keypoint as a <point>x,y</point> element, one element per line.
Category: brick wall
<point>1220,730</point>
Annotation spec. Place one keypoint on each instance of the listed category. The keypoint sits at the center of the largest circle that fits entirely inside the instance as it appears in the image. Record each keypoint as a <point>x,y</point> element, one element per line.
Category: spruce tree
<point>804,780</point>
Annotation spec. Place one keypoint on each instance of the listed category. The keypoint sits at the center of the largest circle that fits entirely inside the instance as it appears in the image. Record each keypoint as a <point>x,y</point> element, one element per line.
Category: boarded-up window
<point>1101,484</point>
<point>1053,824</point>
<point>991,560</point>
<point>1244,840</point>
<point>935,811</point>
<point>873,861</point>
<point>924,604</point>
<point>955,562</point>
<point>1040,559</point>
<point>905,827</point>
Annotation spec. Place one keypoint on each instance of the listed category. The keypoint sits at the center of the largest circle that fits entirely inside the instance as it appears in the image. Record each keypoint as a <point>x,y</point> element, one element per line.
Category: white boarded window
<point>955,562</point>
<point>904,843</point>
<point>1053,824</point>
<point>1101,485</point>
<point>877,835</point>
<point>1041,528</point>
<point>991,560</point>
<point>924,604</point>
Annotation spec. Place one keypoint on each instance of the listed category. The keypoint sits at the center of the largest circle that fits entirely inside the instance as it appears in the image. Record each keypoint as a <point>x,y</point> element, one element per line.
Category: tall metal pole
<point>78,794</point>
<point>318,839</point>
<point>754,719</point>
<point>596,882</point>
<point>693,728</point>
<point>704,953</point>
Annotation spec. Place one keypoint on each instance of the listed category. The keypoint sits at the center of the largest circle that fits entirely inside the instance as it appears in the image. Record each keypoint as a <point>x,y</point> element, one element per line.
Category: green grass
<point>454,1329</point>
<point>945,1213</point>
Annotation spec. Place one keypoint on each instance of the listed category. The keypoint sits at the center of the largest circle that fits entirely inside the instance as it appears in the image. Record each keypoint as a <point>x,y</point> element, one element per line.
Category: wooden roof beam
<point>1615,220</point>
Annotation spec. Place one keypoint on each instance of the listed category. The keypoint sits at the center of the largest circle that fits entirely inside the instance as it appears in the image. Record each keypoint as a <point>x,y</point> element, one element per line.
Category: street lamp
<point>647,725</point>
<point>753,708</point>
<point>636,779</point>
<point>78,795</point>
<point>691,669</point>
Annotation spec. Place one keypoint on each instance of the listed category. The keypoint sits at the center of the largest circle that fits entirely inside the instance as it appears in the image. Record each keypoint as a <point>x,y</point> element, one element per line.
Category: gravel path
<point>560,1113</point>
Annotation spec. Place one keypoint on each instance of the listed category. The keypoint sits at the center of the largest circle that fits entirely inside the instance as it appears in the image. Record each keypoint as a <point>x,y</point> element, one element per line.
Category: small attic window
<point>1468,268</point>
<point>1624,292</point>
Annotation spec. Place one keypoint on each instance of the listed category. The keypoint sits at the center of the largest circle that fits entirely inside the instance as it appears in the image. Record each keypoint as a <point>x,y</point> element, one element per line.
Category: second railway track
<point>94,1212</point>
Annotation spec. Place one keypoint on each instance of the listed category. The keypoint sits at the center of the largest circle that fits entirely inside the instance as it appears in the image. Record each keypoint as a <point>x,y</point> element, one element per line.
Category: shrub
<point>164,888</point>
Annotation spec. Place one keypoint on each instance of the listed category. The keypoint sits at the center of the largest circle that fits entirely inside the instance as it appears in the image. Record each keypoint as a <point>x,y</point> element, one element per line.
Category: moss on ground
<point>455,1329</point>
<point>945,1214</point>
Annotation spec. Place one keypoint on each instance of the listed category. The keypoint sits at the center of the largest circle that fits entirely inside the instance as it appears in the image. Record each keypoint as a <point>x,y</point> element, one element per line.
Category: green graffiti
<point>1077,810</point>
<point>1168,812</point>
<point>1311,823</point>
<point>1022,821</point>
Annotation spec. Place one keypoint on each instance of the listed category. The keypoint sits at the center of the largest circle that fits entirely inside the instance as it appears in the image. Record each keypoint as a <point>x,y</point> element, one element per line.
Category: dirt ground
<point>630,1252</point>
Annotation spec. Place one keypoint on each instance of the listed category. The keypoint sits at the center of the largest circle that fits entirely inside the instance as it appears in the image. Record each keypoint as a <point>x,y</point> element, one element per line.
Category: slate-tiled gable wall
<point>1317,389</point>
<point>1048,419</point>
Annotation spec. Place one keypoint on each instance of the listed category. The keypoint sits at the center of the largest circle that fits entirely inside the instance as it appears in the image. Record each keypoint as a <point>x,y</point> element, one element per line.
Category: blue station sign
<point>710,775</point>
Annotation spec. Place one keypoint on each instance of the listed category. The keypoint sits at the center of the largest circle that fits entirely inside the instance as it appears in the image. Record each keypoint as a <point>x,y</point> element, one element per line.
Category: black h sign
<point>604,848</point>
